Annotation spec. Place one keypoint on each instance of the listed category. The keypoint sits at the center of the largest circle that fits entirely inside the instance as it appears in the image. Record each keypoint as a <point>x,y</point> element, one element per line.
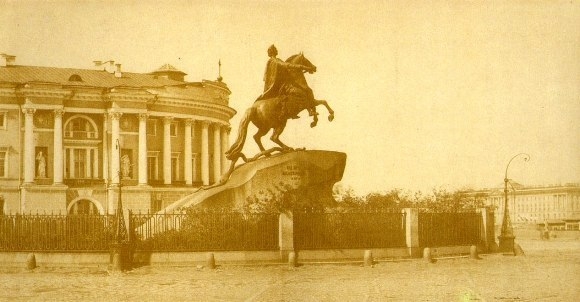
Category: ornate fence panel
<point>323,230</point>
<point>205,231</point>
<point>449,229</point>
<point>56,232</point>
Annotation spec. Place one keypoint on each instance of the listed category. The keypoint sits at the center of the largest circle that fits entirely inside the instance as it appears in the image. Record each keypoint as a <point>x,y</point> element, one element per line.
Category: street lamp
<point>120,246</point>
<point>506,238</point>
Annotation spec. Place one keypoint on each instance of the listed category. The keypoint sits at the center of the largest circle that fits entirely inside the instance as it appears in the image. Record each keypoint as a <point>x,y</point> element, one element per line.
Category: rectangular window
<point>3,163</point>
<point>3,117</point>
<point>152,127</point>
<point>173,129</point>
<point>175,166</point>
<point>80,163</point>
<point>152,167</point>
<point>174,169</point>
<point>195,165</point>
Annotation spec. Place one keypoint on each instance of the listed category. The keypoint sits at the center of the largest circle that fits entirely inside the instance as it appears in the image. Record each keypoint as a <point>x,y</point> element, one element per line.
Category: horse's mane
<point>291,58</point>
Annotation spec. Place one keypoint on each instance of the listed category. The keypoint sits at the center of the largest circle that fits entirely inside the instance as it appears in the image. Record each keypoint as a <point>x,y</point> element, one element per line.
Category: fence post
<point>286,234</point>
<point>488,229</point>
<point>412,231</point>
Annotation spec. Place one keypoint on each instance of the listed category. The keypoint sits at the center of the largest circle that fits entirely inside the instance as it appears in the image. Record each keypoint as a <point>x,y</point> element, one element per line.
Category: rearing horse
<point>273,113</point>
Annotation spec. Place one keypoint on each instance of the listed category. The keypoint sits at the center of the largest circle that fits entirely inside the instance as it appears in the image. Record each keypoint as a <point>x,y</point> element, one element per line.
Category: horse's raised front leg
<point>330,111</point>
<point>258,137</point>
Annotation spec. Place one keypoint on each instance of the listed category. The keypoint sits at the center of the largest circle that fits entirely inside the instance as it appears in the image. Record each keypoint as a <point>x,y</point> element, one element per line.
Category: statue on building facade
<point>41,167</point>
<point>125,166</point>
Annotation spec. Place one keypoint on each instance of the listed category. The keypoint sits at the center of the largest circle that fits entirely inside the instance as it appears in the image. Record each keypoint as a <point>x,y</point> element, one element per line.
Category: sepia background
<point>426,95</point>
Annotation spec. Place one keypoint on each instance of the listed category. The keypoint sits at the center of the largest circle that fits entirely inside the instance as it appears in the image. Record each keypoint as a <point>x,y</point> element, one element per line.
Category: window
<point>3,117</point>
<point>152,165</point>
<point>195,165</point>
<point>79,163</point>
<point>83,207</point>
<point>175,166</point>
<point>75,78</point>
<point>173,129</point>
<point>81,128</point>
<point>3,163</point>
<point>152,127</point>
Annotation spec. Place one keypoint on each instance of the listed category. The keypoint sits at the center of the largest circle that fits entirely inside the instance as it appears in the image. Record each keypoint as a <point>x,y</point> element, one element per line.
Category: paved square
<point>548,272</point>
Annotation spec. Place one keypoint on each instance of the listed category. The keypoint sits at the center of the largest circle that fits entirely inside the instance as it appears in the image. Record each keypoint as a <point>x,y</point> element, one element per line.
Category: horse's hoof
<point>312,125</point>
<point>331,117</point>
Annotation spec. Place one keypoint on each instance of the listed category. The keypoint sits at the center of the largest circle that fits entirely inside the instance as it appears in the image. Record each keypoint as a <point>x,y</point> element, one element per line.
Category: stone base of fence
<point>193,259</point>
<point>307,256</point>
<point>200,258</point>
<point>56,259</point>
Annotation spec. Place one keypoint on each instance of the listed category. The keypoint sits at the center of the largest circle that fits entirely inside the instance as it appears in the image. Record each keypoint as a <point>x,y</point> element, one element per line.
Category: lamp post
<point>506,238</point>
<point>120,246</point>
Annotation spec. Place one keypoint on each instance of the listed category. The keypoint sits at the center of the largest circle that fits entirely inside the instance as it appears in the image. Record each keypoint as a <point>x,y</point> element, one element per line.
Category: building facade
<point>534,204</point>
<point>69,137</point>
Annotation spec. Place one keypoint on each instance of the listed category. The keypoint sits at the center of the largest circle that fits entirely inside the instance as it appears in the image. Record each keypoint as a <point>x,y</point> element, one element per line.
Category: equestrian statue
<point>285,95</point>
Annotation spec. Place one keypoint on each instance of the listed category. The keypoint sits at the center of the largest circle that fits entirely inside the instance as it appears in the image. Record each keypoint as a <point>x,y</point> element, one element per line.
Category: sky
<point>427,95</point>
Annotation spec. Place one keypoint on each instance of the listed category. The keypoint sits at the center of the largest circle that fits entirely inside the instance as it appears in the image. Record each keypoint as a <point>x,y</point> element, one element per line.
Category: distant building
<point>69,136</point>
<point>534,204</point>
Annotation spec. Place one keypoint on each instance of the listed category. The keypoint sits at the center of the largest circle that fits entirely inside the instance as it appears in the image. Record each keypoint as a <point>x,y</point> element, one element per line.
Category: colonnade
<point>220,144</point>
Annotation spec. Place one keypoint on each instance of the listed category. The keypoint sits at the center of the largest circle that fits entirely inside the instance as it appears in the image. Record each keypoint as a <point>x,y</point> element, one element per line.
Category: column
<point>105,148</point>
<point>58,163</point>
<point>225,136</point>
<point>29,159</point>
<point>71,163</point>
<point>95,153</point>
<point>143,149</point>
<point>115,147</point>
<point>217,170</point>
<point>88,164</point>
<point>167,150</point>
<point>188,173</point>
<point>204,153</point>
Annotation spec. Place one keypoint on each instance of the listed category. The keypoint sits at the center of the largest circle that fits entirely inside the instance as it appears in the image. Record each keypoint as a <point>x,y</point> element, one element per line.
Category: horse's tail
<point>237,146</point>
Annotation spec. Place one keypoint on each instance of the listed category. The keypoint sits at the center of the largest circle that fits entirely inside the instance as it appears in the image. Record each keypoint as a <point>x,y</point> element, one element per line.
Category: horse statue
<point>273,113</point>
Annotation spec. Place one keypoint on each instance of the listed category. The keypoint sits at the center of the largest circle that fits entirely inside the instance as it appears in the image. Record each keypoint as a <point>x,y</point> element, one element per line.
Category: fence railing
<point>234,231</point>
<point>205,231</point>
<point>448,229</point>
<point>56,232</point>
<point>349,230</point>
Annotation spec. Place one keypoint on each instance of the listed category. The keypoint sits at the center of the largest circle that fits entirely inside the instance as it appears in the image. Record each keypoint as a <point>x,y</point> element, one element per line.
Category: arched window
<point>75,78</point>
<point>81,153</point>
<point>80,127</point>
<point>83,207</point>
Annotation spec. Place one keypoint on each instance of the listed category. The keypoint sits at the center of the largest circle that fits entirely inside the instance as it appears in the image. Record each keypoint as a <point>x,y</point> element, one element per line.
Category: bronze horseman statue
<point>285,95</point>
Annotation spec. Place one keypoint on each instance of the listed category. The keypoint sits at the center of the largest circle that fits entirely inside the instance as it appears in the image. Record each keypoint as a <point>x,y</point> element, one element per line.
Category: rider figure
<point>276,75</point>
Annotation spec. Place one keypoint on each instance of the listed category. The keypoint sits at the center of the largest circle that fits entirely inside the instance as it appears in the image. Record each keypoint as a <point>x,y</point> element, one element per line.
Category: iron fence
<point>324,230</point>
<point>449,229</point>
<point>205,231</point>
<point>56,232</point>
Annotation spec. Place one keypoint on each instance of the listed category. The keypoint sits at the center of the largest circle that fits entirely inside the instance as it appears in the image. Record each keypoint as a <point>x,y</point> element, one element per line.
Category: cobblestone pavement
<point>550,271</point>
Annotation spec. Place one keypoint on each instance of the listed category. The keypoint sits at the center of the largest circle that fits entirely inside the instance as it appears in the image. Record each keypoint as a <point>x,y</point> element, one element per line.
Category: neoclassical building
<point>69,137</point>
<point>533,204</point>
